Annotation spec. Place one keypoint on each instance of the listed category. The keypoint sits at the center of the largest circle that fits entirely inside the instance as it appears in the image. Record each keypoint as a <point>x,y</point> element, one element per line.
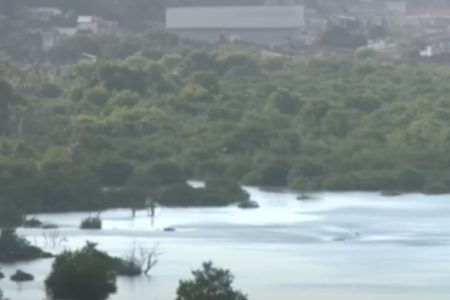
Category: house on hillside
<point>437,46</point>
<point>95,25</point>
<point>263,25</point>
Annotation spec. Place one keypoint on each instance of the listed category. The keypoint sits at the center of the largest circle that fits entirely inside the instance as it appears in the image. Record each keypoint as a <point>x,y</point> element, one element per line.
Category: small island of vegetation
<point>14,248</point>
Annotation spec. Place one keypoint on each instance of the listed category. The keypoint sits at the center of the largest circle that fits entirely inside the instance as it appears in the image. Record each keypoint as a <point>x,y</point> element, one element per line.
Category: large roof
<point>229,17</point>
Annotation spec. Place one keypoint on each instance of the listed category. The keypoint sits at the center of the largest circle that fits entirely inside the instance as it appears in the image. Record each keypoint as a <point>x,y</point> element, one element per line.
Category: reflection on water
<point>342,246</point>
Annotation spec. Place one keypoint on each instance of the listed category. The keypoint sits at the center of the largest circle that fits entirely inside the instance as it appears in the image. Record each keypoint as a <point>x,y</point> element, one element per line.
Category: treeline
<point>144,123</point>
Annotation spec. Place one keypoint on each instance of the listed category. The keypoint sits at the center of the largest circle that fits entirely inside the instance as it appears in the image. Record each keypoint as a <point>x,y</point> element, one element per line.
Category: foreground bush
<point>86,274</point>
<point>209,283</point>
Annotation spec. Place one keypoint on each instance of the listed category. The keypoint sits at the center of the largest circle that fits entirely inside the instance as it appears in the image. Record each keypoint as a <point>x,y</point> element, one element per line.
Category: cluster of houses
<point>427,21</point>
<point>413,20</point>
<point>52,36</point>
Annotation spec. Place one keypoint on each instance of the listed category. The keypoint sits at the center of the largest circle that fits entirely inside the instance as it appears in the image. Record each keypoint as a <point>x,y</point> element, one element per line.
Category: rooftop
<point>235,17</point>
<point>85,19</point>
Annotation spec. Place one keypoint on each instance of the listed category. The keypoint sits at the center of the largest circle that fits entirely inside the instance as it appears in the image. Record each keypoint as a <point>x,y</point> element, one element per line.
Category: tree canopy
<point>143,125</point>
<point>209,283</point>
<point>86,274</point>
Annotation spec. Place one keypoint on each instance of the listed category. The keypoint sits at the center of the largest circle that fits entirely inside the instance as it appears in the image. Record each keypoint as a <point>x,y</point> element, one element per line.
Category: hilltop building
<point>264,25</point>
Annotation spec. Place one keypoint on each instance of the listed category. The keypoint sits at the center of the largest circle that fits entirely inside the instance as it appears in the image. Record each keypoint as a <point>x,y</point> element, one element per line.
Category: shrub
<point>86,274</point>
<point>209,283</point>
<point>124,267</point>
<point>435,188</point>
<point>91,223</point>
<point>14,248</point>
<point>32,223</point>
<point>225,190</point>
<point>181,195</point>
<point>21,276</point>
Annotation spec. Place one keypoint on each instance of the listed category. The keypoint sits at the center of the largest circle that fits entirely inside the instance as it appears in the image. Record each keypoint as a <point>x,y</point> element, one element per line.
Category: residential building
<point>95,25</point>
<point>264,25</point>
<point>87,24</point>
<point>438,48</point>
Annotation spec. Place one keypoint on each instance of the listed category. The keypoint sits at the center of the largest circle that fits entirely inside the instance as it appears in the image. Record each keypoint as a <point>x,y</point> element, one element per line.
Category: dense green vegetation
<point>10,215</point>
<point>112,133</point>
<point>86,274</point>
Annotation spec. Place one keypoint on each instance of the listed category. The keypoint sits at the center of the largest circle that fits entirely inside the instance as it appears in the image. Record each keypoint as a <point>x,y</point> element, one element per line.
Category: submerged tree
<point>209,283</point>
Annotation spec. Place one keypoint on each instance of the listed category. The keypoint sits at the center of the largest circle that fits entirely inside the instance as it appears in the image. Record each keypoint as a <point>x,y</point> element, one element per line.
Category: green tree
<point>343,37</point>
<point>209,283</point>
<point>124,99</point>
<point>161,173</point>
<point>10,215</point>
<point>274,173</point>
<point>97,95</point>
<point>6,99</point>
<point>285,102</point>
<point>119,77</point>
<point>114,171</point>
<point>86,274</point>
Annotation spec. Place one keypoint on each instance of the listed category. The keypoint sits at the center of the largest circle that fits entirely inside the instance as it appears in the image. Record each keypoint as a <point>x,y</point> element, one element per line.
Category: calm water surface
<point>352,246</point>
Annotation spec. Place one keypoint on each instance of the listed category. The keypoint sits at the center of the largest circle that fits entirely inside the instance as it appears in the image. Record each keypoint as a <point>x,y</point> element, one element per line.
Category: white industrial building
<point>266,25</point>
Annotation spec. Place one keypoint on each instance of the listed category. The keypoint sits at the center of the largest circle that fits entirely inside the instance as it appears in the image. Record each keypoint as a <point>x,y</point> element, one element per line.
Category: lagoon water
<point>352,246</point>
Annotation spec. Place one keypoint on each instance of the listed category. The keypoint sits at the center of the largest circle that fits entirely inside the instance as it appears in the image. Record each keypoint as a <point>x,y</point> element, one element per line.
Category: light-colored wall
<point>235,17</point>
<point>256,36</point>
